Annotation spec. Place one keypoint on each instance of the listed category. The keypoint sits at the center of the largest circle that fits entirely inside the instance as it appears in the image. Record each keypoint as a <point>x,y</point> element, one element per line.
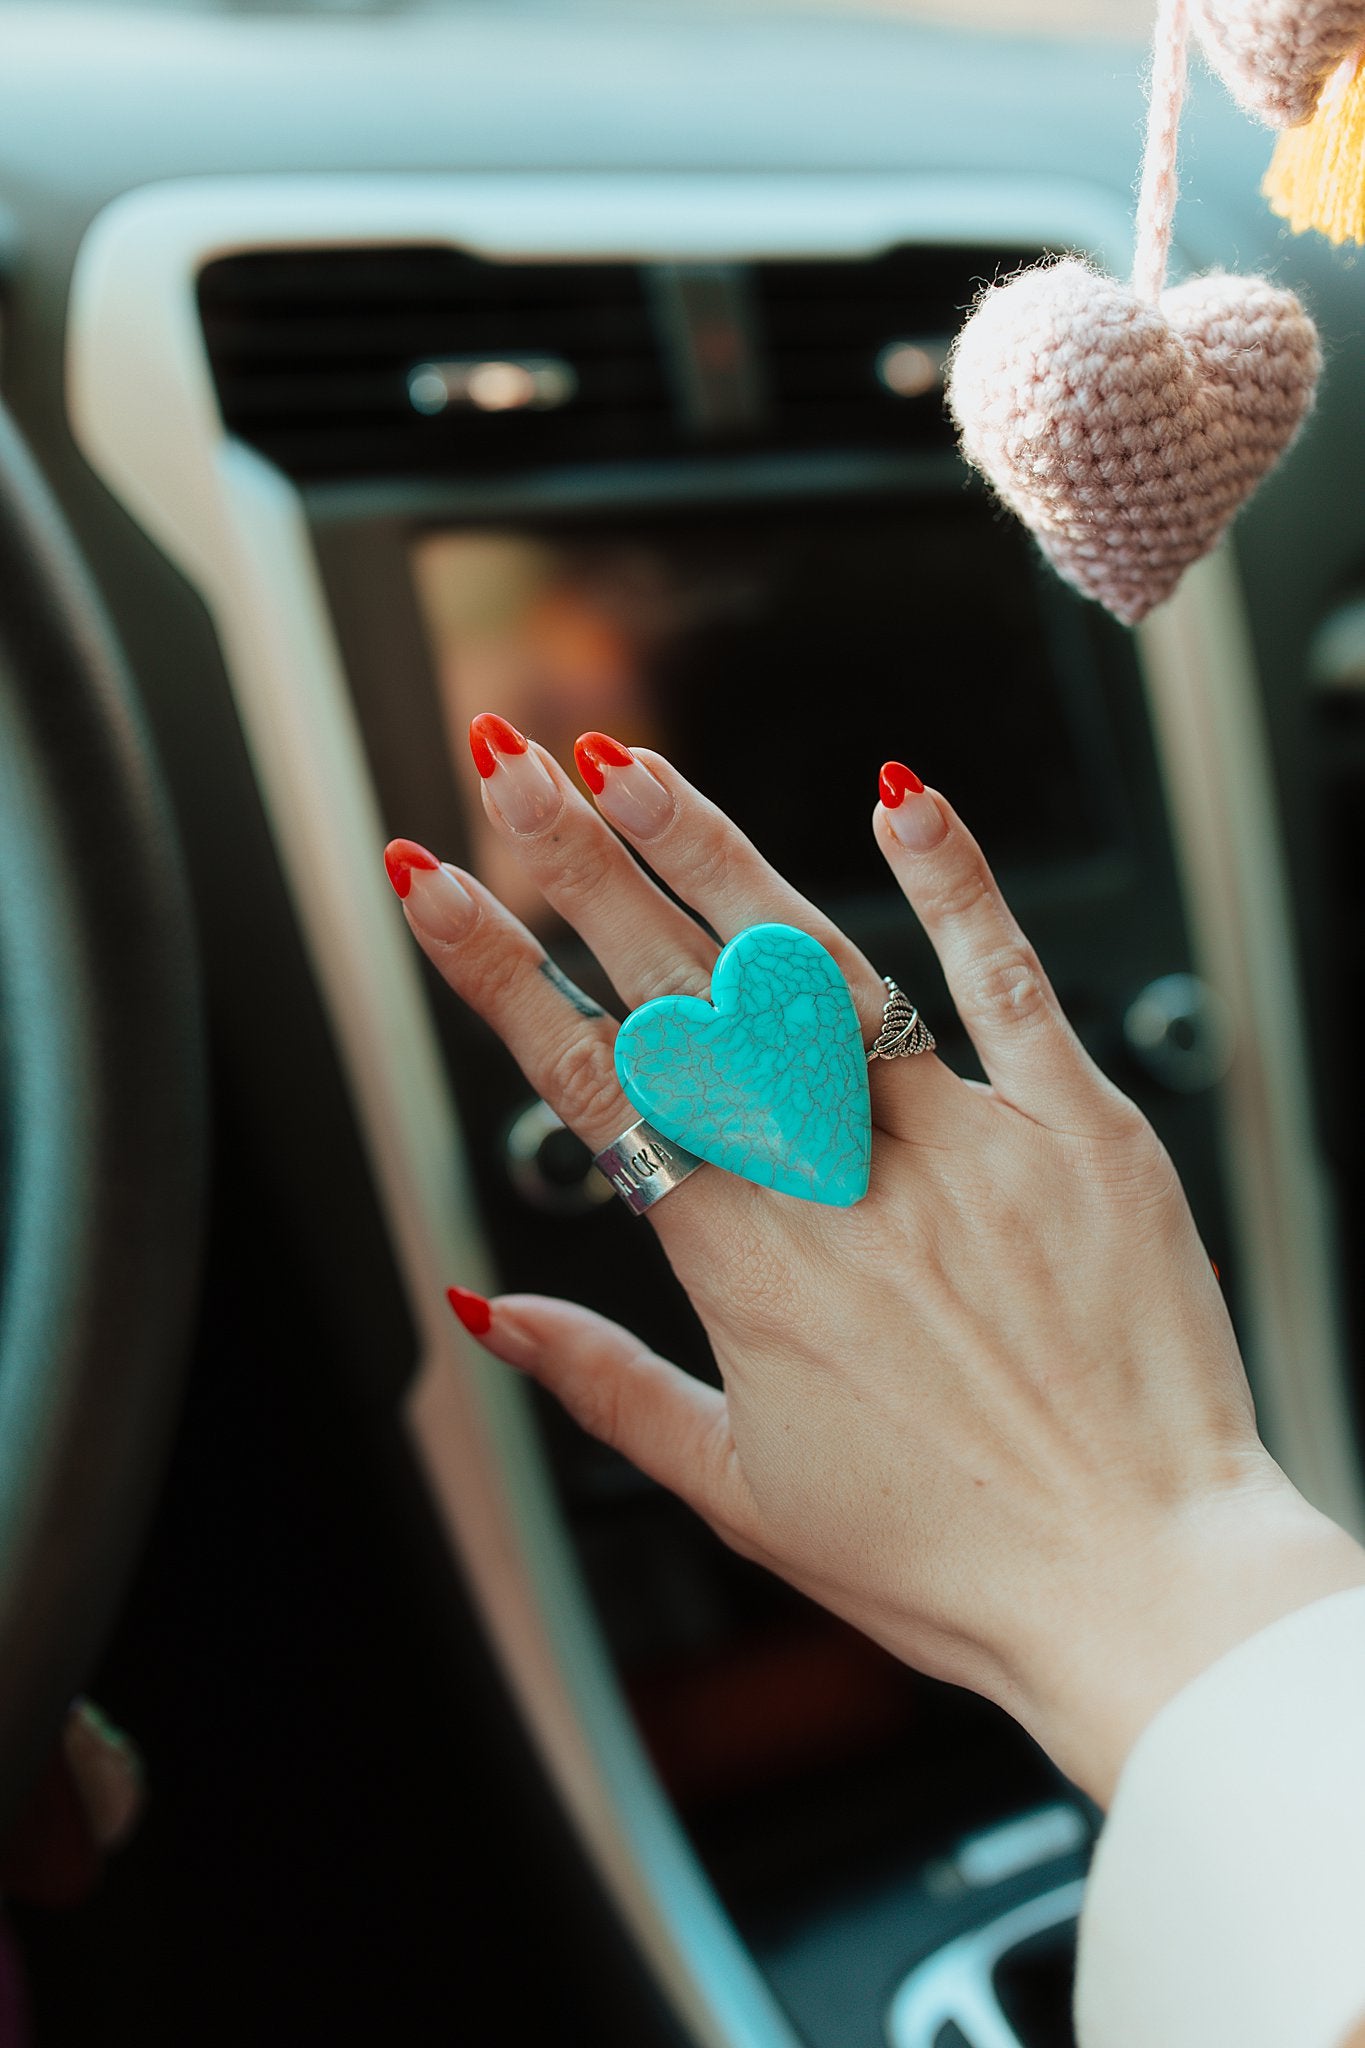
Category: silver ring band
<point>904,1032</point>
<point>644,1166</point>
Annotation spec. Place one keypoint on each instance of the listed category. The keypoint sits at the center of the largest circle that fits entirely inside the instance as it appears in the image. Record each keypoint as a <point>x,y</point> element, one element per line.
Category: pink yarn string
<point>1157,191</point>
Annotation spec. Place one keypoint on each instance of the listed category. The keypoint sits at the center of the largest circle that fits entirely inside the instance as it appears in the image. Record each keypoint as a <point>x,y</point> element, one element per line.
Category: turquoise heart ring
<point>769,1078</point>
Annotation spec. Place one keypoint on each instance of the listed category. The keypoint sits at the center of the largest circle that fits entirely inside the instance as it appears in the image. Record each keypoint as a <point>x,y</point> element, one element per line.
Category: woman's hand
<point>994,1414</point>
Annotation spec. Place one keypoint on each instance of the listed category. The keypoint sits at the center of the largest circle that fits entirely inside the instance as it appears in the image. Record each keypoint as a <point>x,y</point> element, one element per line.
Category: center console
<point>777,623</point>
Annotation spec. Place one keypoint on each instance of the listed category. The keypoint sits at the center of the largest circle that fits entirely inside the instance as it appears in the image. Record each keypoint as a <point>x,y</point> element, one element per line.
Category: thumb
<point>674,1427</point>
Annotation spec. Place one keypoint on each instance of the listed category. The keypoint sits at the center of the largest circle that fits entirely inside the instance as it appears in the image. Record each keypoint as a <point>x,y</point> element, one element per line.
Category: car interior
<point>368,366</point>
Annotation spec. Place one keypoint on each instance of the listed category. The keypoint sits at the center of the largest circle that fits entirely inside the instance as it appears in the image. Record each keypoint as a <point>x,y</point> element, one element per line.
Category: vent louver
<point>312,351</point>
<point>839,340</point>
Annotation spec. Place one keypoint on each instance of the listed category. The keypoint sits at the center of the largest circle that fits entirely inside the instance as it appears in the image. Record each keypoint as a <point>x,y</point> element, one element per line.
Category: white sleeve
<point>1227,1898</point>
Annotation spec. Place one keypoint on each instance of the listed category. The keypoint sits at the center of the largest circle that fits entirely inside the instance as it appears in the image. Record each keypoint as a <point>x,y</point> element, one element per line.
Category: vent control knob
<point>550,1168</point>
<point>1180,1030</point>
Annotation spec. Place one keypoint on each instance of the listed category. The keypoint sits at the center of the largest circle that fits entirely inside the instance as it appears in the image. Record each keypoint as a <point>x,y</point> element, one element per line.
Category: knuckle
<point>580,1083</point>
<point>662,974</point>
<point>1126,1163</point>
<point>1124,1120</point>
<point>688,981</point>
<point>581,876</point>
<point>960,893</point>
<point>712,858</point>
<point>1149,1161</point>
<point>1113,1126</point>
<point>501,977</point>
<point>1008,983</point>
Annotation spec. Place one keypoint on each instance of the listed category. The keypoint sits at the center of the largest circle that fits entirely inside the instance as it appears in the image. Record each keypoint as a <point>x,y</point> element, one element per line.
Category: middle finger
<point>646,945</point>
<point>705,857</point>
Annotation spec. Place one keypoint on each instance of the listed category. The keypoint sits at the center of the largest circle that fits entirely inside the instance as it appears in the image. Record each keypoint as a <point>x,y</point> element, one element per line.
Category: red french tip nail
<point>401,856</point>
<point>595,751</point>
<point>474,1312</point>
<point>490,736</point>
<point>896,782</point>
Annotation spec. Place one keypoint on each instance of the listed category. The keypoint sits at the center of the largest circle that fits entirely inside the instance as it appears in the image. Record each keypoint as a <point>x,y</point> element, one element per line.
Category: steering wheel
<point>102,1120</point>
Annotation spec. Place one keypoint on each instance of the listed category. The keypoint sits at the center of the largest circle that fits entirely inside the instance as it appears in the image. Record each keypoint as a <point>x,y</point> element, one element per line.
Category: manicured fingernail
<point>911,812</point>
<point>627,793</point>
<point>520,786</point>
<point>472,1309</point>
<point>438,902</point>
<point>401,856</point>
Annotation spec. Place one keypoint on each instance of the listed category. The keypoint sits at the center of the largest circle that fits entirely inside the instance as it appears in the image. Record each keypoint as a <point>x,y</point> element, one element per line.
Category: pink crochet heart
<point>1274,56</point>
<point>1126,435</point>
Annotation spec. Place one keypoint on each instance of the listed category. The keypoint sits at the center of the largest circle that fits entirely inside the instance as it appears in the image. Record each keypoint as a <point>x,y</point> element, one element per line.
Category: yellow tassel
<point>1316,177</point>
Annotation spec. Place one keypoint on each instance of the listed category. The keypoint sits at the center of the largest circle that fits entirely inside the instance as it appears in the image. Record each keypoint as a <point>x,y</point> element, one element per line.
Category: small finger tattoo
<point>583,1004</point>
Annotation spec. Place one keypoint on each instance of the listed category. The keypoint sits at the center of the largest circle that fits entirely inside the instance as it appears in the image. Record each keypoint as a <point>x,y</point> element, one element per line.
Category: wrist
<point>1176,1597</point>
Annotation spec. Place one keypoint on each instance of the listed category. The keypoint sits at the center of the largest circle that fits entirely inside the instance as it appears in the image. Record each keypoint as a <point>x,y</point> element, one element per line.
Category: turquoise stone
<point>768,1079</point>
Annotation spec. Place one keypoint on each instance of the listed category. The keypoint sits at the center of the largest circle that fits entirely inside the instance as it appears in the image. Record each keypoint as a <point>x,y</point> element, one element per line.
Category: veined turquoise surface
<point>768,1079</point>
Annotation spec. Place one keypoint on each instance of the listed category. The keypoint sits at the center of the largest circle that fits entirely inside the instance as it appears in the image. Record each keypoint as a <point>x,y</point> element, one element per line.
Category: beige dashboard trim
<point>143,411</point>
<point>1206,707</point>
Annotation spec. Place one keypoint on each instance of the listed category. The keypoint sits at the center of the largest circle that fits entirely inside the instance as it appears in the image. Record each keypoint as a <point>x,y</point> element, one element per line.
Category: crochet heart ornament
<point>1126,432</point>
<point>1275,56</point>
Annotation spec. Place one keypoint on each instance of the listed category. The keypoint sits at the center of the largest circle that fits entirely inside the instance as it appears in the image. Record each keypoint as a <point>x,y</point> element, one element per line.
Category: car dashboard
<point>251,267</point>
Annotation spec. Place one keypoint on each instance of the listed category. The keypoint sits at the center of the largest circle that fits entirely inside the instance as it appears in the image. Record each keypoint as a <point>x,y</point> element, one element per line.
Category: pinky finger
<point>1029,1051</point>
<point>672,1426</point>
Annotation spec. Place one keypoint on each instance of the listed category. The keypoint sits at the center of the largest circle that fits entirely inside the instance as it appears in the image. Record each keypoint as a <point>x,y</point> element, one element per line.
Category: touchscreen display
<point>778,659</point>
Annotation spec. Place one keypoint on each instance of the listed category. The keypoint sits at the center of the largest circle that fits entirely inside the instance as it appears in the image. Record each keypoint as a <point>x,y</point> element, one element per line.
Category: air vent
<point>854,350</point>
<point>327,361</point>
<point>364,362</point>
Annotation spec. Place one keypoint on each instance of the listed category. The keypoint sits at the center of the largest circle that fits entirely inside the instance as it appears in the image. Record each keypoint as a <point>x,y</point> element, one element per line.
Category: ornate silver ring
<point>904,1032</point>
